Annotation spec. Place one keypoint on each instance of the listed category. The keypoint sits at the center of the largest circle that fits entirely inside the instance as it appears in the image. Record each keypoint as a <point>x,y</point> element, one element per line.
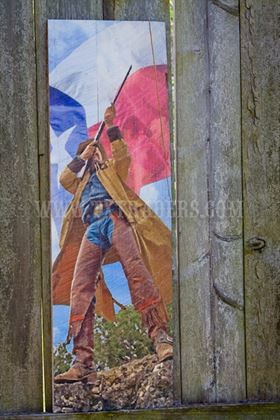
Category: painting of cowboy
<point>105,222</point>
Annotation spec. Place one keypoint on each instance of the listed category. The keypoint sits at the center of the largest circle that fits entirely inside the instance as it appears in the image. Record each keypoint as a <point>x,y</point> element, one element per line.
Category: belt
<point>96,208</point>
<point>99,206</point>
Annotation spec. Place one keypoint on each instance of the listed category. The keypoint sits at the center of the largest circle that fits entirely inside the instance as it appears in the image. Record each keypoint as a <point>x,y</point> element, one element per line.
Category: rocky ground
<point>142,383</point>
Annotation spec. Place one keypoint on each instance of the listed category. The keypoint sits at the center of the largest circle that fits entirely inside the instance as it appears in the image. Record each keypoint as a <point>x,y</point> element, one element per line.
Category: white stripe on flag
<point>94,70</point>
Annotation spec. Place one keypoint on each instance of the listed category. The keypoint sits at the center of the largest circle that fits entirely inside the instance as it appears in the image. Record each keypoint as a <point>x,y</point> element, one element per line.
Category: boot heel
<point>91,378</point>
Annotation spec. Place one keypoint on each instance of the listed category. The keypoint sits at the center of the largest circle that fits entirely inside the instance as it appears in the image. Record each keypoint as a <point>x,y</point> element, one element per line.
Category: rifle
<point>102,125</point>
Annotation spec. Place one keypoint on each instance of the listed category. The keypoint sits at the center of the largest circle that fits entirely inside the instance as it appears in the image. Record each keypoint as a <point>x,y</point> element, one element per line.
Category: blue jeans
<point>100,231</point>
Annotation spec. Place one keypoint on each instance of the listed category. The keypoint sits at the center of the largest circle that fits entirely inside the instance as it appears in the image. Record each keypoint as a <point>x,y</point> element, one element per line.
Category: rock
<point>141,383</point>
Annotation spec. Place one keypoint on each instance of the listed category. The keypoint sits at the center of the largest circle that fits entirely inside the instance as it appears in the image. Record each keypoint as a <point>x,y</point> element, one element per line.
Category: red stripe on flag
<point>142,115</point>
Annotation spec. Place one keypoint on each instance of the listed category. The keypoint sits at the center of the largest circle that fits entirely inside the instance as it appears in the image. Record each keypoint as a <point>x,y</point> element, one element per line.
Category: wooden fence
<point>226,150</point>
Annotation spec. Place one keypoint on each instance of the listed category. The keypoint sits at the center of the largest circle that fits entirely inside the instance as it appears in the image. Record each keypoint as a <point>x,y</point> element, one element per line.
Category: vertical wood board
<point>225,194</point>
<point>44,10</point>
<point>192,132</point>
<point>260,71</point>
<point>157,10</point>
<point>20,283</point>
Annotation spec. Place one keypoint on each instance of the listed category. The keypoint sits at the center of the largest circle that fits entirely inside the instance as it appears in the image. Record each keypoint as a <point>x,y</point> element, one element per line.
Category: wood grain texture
<point>73,9</point>
<point>192,132</point>
<point>225,194</point>
<point>20,284</point>
<point>136,10</point>
<point>158,10</point>
<point>211,306</point>
<point>268,411</point>
<point>260,71</point>
<point>50,9</point>
<point>177,374</point>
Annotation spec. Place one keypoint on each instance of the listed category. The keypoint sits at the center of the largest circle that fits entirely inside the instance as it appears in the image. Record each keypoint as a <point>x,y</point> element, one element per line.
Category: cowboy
<point>115,226</point>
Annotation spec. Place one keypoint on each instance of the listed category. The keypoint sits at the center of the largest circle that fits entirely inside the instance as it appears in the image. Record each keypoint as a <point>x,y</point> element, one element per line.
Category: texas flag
<point>88,60</point>
<point>87,63</point>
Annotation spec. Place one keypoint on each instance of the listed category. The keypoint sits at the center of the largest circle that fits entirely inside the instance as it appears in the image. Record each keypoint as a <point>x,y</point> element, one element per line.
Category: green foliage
<point>121,341</point>
<point>115,343</point>
<point>62,359</point>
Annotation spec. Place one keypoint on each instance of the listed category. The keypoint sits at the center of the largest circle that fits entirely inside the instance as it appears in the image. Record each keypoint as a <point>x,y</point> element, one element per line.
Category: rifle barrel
<point>102,125</point>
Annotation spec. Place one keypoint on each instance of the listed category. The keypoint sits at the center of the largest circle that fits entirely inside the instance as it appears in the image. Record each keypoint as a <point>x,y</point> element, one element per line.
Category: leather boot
<point>163,345</point>
<point>78,372</point>
<point>83,368</point>
<point>154,318</point>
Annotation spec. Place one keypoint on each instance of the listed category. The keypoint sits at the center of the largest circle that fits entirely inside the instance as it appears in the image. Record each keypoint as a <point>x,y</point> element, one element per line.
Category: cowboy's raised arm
<point>120,154</point>
<point>68,177</point>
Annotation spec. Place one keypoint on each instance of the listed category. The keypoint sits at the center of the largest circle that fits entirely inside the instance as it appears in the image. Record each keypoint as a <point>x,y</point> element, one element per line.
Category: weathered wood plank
<point>231,411</point>
<point>177,379</point>
<point>50,9</point>
<point>158,10</point>
<point>20,285</point>
<point>192,132</point>
<point>74,9</point>
<point>136,10</point>
<point>225,194</point>
<point>260,63</point>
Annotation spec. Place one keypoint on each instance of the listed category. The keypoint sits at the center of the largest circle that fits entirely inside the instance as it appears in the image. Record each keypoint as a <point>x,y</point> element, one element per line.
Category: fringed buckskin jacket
<point>152,236</point>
